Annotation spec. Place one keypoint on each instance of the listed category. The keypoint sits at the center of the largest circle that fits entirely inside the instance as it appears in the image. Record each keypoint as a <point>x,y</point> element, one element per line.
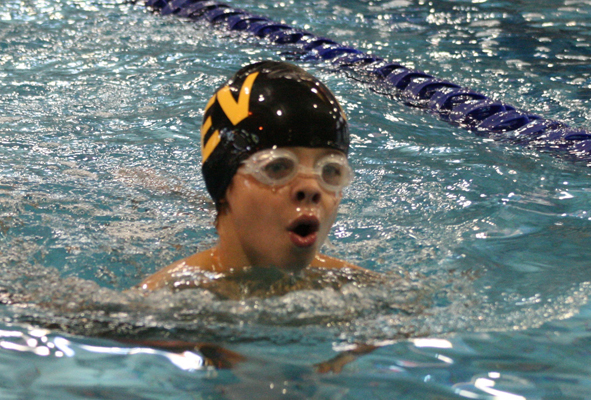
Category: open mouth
<point>303,230</point>
<point>305,226</point>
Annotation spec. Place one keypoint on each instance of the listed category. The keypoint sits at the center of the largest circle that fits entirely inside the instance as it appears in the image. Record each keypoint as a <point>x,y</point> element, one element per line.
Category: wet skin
<point>257,227</point>
<point>266,234</point>
<point>260,226</point>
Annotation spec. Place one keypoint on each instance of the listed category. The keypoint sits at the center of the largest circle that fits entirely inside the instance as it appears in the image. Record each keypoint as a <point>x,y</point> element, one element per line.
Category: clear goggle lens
<point>276,167</point>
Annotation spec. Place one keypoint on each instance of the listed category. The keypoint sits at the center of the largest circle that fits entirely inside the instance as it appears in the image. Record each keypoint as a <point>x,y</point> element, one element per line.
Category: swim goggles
<point>276,167</point>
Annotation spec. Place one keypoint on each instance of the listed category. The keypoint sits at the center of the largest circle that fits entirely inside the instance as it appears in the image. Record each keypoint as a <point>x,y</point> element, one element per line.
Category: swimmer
<point>274,144</point>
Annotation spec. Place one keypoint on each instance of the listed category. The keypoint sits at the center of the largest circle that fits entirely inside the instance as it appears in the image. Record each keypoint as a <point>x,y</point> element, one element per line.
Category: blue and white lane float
<point>451,102</point>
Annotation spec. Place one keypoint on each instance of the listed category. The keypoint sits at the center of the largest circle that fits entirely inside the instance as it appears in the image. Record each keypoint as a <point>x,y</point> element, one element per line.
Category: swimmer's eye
<point>332,173</point>
<point>279,168</point>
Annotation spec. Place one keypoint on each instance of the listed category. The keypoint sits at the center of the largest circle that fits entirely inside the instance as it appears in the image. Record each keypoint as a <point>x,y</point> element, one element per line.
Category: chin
<point>300,262</point>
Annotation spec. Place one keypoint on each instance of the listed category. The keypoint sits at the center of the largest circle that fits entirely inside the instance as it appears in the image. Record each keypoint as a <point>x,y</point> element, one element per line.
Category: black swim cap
<point>265,105</point>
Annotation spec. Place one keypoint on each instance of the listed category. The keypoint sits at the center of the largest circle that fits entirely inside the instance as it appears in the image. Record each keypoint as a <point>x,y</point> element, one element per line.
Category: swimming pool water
<point>487,243</point>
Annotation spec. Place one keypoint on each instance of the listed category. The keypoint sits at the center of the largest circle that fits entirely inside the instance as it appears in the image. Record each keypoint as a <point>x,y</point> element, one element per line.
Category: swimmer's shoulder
<point>208,261</point>
<point>328,262</point>
<point>203,261</point>
<point>344,270</point>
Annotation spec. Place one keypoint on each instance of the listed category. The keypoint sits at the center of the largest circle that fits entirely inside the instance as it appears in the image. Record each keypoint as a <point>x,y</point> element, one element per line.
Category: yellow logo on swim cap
<point>236,111</point>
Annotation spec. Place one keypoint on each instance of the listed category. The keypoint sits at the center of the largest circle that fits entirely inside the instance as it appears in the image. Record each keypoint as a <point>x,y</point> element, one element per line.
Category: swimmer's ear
<point>222,205</point>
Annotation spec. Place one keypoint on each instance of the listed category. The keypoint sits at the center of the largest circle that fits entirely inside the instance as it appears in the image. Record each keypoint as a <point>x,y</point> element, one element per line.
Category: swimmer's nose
<point>306,190</point>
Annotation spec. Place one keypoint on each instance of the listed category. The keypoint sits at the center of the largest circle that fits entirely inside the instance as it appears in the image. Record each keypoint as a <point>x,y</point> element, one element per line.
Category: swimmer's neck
<point>213,260</point>
<point>224,260</point>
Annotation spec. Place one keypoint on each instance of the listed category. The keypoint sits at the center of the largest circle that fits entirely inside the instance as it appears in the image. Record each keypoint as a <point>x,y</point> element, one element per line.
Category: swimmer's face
<point>279,226</point>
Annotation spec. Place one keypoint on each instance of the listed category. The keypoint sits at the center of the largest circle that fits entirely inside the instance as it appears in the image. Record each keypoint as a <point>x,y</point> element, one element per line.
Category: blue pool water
<point>487,243</point>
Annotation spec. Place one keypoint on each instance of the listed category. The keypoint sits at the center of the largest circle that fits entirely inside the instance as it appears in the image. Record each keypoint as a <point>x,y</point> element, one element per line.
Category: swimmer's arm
<point>336,364</point>
<point>214,355</point>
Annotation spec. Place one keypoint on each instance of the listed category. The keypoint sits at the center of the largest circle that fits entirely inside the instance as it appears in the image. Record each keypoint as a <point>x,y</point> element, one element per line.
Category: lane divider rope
<point>451,102</point>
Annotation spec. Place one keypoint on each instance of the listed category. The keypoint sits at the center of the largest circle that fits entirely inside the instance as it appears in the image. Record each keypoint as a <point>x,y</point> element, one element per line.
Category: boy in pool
<point>274,144</point>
